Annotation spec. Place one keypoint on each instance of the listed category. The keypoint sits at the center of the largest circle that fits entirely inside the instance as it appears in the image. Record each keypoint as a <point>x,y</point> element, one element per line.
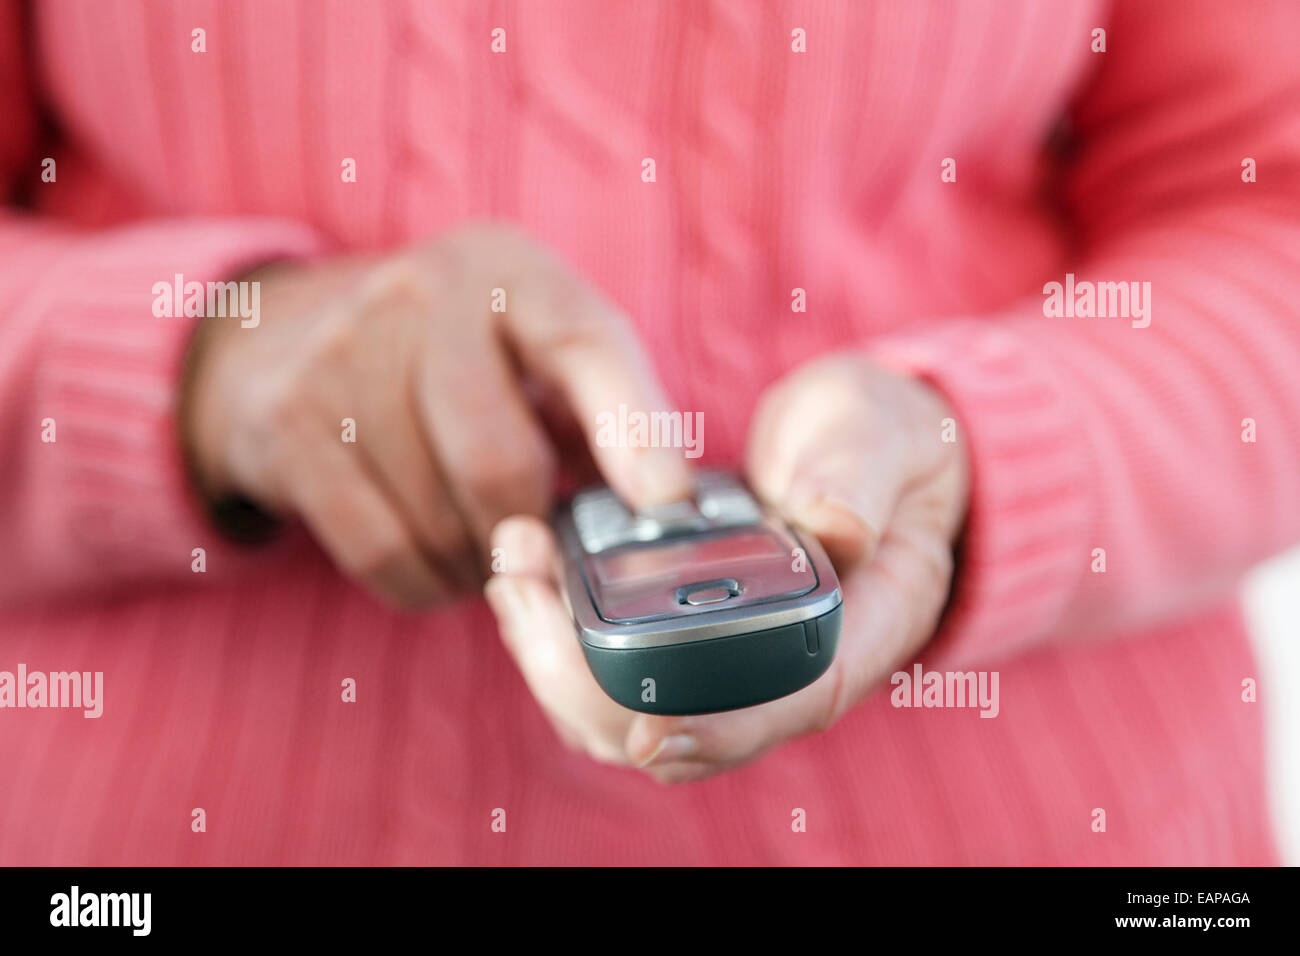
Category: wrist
<point>204,420</point>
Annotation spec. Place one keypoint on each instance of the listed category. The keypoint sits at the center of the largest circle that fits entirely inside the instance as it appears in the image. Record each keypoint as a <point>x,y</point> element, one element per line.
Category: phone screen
<point>639,582</point>
<point>702,554</point>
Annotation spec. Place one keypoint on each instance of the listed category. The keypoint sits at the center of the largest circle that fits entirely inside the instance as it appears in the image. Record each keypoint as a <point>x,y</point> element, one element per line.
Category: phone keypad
<point>604,522</point>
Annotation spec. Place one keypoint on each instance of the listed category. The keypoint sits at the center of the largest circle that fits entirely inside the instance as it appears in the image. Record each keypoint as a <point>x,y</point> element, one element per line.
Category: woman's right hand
<point>442,391</point>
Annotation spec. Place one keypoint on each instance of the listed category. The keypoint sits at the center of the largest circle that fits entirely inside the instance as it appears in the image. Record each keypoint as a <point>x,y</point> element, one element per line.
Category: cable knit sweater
<point>784,160</point>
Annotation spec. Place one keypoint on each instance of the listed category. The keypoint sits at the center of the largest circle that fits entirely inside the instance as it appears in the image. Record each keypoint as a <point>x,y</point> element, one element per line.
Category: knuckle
<point>335,345</point>
<point>567,296</point>
<point>282,403</point>
<point>940,560</point>
<point>471,248</point>
<point>275,431</point>
<point>498,476</point>
<point>581,321</point>
<point>400,285</point>
<point>895,604</point>
<point>447,535</point>
<point>839,384</point>
<point>372,559</point>
<point>931,552</point>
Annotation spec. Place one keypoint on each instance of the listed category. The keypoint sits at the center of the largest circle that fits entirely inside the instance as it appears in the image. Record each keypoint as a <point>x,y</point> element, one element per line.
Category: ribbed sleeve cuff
<point>1025,546</point>
<point>115,478</point>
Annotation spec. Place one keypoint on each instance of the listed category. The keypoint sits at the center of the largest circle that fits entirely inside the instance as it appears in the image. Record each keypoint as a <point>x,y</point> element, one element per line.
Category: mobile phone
<point>703,605</point>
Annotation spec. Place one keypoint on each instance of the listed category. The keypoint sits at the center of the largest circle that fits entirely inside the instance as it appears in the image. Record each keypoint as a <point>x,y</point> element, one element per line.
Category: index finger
<point>570,335</point>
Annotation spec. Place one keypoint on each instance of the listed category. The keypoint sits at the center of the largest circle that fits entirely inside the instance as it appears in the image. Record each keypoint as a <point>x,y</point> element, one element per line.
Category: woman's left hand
<point>845,449</point>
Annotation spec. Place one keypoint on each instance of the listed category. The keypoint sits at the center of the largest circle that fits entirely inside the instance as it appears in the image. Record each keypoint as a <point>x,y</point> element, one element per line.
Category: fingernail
<point>673,747</point>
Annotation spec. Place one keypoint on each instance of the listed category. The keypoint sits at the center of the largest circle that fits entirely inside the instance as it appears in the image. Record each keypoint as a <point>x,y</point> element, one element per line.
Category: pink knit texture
<point>775,170</point>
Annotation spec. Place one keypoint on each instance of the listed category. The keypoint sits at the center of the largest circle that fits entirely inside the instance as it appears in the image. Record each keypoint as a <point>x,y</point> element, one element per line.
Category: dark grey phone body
<point>702,606</point>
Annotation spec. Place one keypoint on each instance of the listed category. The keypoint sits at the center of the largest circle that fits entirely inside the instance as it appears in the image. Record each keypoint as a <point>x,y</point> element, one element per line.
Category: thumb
<point>829,471</point>
<point>845,501</point>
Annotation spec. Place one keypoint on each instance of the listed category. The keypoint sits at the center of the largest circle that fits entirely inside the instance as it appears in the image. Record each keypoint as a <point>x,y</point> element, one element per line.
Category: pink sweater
<point>775,170</point>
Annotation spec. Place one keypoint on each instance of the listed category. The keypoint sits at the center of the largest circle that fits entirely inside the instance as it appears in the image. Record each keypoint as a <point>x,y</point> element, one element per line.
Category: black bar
<point>654,907</point>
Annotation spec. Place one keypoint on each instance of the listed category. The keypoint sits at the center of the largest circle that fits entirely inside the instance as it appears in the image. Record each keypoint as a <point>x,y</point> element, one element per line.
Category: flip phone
<point>703,605</point>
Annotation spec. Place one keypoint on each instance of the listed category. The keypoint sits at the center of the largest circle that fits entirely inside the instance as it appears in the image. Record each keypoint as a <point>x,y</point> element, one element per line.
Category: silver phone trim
<point>597,632</point>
